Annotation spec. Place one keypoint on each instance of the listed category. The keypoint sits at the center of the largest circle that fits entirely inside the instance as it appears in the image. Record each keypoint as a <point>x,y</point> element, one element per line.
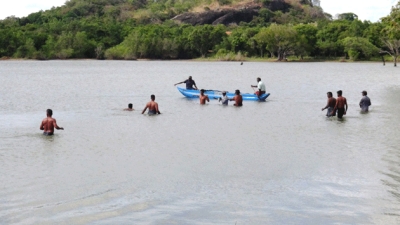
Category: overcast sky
<point>365,9</point>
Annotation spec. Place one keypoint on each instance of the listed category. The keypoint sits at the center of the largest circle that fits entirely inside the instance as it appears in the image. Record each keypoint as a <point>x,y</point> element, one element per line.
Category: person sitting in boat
<point>260,86</point>
<point>190,84</point>
<point>129,107</point>
<point>224,99</point>
<point>238,99</point>
<point>203,97</point>
<point>152,106</point>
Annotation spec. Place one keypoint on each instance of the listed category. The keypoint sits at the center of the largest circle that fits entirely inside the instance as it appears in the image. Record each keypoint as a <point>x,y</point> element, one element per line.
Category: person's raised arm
<point>56,126</point>
<point>179,83</point>
<point>345,103</point>
<point>42,126</point>
<point>208,100</point>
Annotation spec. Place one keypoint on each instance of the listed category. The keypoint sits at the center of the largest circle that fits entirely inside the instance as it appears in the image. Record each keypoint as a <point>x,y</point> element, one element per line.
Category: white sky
<point>365,9</point>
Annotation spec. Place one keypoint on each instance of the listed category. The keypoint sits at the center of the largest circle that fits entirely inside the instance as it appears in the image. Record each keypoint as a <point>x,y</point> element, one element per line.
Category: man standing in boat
<point>330,105</point>
<point>260,86</point>
<point>238,99</point>
<point>190,84</point>
<point>341,105</point>
<point>152,106</point>
<point>49,123</point>
<point>203,97</point>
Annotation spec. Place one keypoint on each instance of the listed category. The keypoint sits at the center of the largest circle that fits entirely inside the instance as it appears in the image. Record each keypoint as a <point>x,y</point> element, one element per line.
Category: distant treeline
<point>56,34</point>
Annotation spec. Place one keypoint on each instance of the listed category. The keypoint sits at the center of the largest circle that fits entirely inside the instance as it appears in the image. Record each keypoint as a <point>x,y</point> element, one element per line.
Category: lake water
<point>275,162</point>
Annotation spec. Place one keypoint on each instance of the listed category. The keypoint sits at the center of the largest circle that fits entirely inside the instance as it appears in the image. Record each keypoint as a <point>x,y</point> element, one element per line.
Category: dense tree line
<point>106,29</point>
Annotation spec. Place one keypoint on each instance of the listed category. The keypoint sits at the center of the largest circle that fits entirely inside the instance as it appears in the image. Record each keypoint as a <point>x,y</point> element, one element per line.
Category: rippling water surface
<point>277,162</point>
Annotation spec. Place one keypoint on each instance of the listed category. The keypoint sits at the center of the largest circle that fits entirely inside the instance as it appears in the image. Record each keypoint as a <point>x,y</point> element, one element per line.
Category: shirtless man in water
<point>341,105</point>
<point>238,99</point>
<point>152,106</point>
<point>330,105</point>
<point>49,123</point>
<point>203,97</point>
<point>129,107</point>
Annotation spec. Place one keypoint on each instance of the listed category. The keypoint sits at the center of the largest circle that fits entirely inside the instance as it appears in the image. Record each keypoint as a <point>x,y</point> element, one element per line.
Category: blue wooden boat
<point>214,94</point>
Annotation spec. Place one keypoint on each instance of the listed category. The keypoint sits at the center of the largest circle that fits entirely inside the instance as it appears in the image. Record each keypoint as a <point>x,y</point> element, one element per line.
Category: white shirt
<point>261,86</point>
<point>224,100</point>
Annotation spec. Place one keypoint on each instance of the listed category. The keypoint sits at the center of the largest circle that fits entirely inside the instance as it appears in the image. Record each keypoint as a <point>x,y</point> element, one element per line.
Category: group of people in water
<point>336,106</point>
<point>339,106</point>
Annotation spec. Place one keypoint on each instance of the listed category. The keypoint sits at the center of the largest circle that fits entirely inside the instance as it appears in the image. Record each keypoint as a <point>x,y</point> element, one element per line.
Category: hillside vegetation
<point>177,29</point>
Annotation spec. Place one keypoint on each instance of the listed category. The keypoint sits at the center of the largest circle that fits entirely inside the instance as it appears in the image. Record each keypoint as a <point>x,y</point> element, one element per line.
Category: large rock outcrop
<point>232,14</point>
<point>220,16</point>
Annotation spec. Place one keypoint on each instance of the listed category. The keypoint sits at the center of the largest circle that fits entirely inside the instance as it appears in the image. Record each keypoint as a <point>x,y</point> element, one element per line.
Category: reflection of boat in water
<point>213,94</point>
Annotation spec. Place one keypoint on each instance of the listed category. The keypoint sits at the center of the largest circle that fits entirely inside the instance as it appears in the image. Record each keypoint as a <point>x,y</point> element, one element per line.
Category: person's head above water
<point>329,94</point>
<point>190,77</point>
<point>339,93</point>
<point>153,97</point>
<point>258,79</point>
<point>202,91</point>
<point>364,93</point>
<point>49,112</point>
<point>130,105</point>
<point>237,92</point>
<point>223,93</point>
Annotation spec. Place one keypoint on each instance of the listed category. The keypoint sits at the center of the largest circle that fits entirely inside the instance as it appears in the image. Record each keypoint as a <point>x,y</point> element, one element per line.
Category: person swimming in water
<point>129,107</point>
<point>49,123</point>
<point>152,106</point>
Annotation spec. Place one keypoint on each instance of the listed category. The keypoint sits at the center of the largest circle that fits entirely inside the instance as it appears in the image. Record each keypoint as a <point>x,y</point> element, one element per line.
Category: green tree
<point>307,39</point>
<point>204,38</point>
<point>357,46</point>
<point>27,50</point>
<point>280,39</point>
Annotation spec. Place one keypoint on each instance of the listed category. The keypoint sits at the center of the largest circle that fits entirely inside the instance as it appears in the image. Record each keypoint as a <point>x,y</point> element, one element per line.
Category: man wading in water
<point>238,99</point>
<point>152,106</point>
<point>203,97</point>
<point>365,102</point>
<point>49,123</point>
<point>330,105</point>
<point>340,105</point>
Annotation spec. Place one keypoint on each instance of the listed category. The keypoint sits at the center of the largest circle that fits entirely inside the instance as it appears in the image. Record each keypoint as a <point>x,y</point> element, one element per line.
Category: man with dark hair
<point>365,102</point>
<point>129,107</point>
<point>260,86</point>
<point>341,105</point>
<point>189,84</point>
<point>152,106</point>
<point>203,97</point>
<point>224,99</point>
<point>238,99</point>
<point>330,105</point>
<point>49,123</point>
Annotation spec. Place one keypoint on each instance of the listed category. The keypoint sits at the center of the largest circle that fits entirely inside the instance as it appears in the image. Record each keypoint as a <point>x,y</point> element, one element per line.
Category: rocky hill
<point>195,12</point>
